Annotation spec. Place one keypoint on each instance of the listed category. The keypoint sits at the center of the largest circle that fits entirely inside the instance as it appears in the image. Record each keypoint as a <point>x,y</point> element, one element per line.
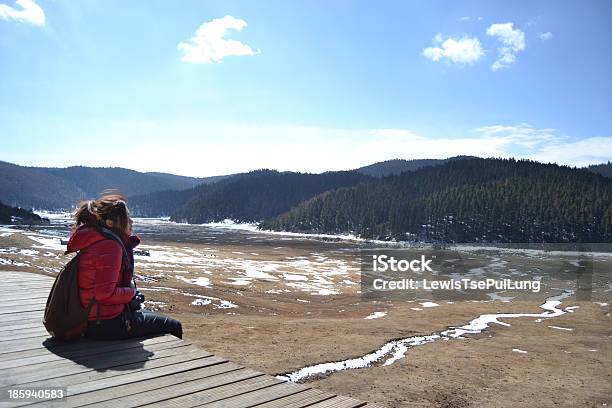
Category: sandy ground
<point>270,325</point>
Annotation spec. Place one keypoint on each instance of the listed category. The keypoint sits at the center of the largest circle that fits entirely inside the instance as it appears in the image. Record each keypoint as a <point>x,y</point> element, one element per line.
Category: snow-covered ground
<point>395,350</point>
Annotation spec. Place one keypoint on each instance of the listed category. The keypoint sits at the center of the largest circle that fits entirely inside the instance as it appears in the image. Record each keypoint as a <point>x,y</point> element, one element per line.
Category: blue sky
<point>203,88</point>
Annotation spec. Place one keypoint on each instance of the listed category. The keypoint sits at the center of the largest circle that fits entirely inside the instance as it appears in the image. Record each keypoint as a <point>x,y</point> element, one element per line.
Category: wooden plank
<point>24,320</point>
<point>105,361</point>
<point>259,396</point>
<point>28,317</point>
<point>7,288</point>
<point>9,346</point>
<point>120,385</point>
<point>186,393</point>
<point>38,305</point>
<point>52,369</point>
<point>22,329</point>
<point>33,282</point>
<point>23,275</point>
<point>189,357</point>
<point>6,283</point>
<point>20,316</point>
<point>152,384</point>
<point>57,367</point>
<point>15,304</point>
<point>15,281</point>
<point>8,308</point>
<point>46,355</point>
<point>18,325</point>
<point>17,296</point>
<point>18,302</point>
<point>36,278</point>
<point>20,294</point>
<point>119,364</point>
<point>79,348</point>
<point>23,308</point>
<point>299,400</point>
<point>23,290</point>
<point>198,368</point>
<point>12,291</point>
<point>17,335</point>
<point>339,402</point>
<point>22,337</point>
<point>24,286</point>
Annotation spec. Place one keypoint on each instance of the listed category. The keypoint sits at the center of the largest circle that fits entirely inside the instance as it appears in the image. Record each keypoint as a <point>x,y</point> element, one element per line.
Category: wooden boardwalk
<point>154,372</point>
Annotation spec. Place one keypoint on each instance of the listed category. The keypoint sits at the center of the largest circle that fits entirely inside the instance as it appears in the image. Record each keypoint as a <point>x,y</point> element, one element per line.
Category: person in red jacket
<point>106,274</point>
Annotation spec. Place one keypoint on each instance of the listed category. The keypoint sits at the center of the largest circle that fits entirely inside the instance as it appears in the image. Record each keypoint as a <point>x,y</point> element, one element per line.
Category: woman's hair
<point>111,205</point>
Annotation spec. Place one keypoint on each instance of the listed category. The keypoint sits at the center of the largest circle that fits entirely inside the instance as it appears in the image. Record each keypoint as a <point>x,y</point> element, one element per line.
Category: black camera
<point>137,301</point>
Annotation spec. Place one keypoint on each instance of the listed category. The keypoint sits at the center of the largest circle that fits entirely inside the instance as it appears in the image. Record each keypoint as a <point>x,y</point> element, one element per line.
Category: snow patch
<point>375,315</point>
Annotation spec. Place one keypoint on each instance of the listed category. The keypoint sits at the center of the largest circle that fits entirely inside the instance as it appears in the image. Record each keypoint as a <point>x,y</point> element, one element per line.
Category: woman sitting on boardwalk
<point>106,272</point>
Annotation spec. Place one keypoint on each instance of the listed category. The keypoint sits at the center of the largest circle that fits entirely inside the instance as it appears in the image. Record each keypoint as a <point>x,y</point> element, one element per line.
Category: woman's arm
<point>108,272</point>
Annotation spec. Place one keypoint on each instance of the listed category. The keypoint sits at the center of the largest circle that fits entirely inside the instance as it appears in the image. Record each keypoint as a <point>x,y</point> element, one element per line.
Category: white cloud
<point>545,145</point>
<point>468,18</point>
<point>546,36</point>
<point>210,45</point>
<point>521,135</point>
<point>463,51</point>
<point>512,41</point>
<point>28,12</point>
<point>591,150</point>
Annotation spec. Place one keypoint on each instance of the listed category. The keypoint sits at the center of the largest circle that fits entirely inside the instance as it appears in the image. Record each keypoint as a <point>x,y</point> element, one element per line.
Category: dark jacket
<point>102,271</point>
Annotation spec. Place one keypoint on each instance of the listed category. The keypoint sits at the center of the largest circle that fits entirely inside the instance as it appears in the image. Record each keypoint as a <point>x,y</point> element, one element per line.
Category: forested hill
<point>260,195</point>
<point>61,188</point>
<point>166,202</point>
<point>397,166</point>
<point>472,200</point>
<point>16,215</point>
<point>605,169</point>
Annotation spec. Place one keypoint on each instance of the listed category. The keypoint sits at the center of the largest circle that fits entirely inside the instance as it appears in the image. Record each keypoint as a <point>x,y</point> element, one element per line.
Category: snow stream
<point>394,350</point>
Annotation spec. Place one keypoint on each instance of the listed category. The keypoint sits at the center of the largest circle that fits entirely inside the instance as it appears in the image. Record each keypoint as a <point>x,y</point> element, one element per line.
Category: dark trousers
<point>130,324</point>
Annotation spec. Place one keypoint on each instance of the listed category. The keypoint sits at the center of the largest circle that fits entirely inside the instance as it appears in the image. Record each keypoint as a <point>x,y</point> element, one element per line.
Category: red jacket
<point>101,271</point>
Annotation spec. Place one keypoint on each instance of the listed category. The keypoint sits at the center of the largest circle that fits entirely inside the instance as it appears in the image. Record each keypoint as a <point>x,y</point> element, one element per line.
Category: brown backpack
<point>65,318</point>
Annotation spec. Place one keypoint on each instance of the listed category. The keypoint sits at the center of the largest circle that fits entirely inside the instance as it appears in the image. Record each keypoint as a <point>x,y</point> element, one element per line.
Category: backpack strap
<point>108,234</point>
<point>93,300</point>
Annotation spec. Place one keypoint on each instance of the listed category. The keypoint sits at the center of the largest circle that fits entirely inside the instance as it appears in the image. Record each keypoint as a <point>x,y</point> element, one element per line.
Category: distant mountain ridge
<point>61,188</point>
<point>605,169</point>
<point>397,166</point>
<point>397,199</point>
